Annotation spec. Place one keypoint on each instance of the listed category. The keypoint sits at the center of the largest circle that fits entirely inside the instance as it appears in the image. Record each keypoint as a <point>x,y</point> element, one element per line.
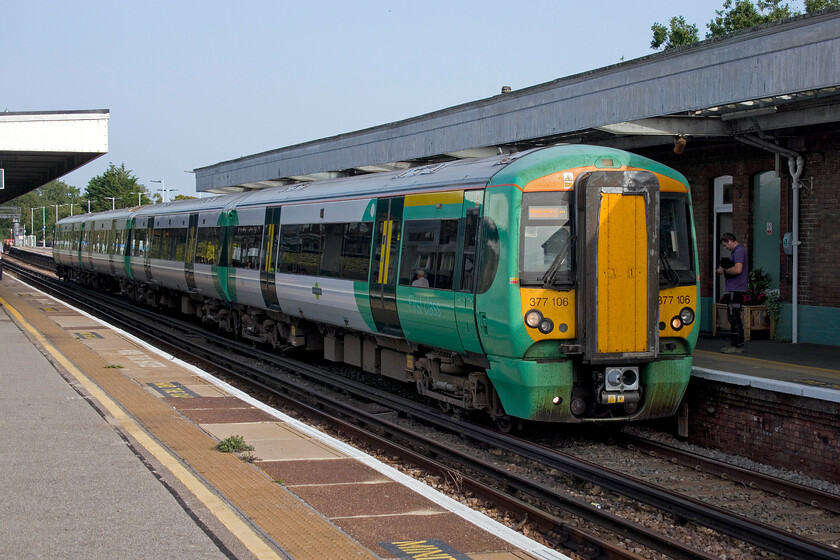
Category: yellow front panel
<point>622,274</point>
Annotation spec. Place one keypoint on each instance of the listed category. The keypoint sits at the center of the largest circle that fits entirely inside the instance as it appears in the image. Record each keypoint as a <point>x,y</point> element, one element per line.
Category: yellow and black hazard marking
<point>87,335</point>
<point>173,390</point>
<point>817,383</point>
<point>430,549</point>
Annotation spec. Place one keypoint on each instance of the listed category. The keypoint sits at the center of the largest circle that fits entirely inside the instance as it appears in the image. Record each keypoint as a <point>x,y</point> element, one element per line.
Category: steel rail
<point>782,488</point>
<point>756,533</point>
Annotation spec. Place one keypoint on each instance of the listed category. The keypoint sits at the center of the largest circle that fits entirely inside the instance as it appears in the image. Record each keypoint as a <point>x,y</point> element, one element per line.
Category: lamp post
<point>162,187</point>
<point>57,206</point>
<point>113,200</point>
<point>139,198</point>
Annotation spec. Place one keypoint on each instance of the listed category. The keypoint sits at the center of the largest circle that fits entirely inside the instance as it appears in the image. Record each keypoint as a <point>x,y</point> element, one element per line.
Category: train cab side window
<point>430,247</point>
<point>489,257</point>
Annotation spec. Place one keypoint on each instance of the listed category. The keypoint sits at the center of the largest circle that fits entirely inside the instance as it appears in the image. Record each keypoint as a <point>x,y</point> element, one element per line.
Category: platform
<point>807,370</point>
<point>138,475</point>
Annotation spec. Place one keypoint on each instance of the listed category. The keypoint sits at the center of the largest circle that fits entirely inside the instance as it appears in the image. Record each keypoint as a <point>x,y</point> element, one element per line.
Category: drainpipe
<point>795,164</point>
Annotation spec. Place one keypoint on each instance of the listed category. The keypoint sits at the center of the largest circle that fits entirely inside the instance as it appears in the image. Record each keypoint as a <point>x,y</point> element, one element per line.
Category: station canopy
<point>39,147</point>
<point>760,87</point>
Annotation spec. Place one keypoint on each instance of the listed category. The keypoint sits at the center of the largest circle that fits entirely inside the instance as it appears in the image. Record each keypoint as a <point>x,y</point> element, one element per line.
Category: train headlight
<point>687,315</point>
<point>676,323</point>
<point>546,326</point>
<point>533,318</point>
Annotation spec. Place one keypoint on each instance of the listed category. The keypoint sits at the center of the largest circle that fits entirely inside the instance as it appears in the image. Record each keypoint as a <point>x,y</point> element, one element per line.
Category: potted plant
<point>756,314</point>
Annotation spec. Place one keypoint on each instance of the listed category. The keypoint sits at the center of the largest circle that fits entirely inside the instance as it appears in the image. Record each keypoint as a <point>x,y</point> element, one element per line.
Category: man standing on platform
<point>736,274</point>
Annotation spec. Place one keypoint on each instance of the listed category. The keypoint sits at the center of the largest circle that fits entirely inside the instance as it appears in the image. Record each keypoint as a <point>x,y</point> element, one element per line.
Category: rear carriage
<point>556,285</point>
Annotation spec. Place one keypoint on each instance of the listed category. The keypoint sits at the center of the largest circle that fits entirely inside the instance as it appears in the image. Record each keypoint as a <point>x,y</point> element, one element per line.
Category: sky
<point>193,83</point>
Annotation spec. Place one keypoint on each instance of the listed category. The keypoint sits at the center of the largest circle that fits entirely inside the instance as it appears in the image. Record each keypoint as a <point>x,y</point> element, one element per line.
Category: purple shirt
<point>738,282</point>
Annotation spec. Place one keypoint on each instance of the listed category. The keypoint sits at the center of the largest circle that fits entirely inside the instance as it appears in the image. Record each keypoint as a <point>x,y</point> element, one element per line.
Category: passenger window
<point>429,253</point>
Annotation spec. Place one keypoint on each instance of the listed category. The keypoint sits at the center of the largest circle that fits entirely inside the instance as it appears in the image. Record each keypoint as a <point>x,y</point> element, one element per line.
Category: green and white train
<point>556,285</point>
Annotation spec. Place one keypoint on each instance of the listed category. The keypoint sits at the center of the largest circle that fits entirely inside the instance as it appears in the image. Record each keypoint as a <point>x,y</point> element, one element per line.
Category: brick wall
<point>785,431</point>
<point>819,256</point>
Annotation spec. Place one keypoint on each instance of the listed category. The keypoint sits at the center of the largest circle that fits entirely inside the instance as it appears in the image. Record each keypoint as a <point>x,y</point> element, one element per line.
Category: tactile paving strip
<point>300,531</point>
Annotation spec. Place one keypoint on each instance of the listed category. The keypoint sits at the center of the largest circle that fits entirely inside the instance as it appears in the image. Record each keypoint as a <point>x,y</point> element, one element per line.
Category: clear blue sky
<point>193,83</point>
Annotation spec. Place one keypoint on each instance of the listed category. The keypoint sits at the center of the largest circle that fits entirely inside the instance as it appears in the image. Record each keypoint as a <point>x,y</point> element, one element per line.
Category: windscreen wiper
<point>562,255</point>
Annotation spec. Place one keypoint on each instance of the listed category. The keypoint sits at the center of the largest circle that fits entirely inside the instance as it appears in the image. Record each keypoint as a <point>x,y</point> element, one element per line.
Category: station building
<point>751,119</point>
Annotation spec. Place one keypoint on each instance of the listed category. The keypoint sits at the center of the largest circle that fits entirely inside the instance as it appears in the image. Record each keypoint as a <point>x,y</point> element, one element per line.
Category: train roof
<point>452,174</point>
<point>457,174</point>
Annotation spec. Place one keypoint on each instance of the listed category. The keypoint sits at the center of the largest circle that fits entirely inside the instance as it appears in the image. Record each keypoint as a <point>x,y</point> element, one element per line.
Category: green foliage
<point>117,183</point>
<point>744,14</point>
<point>759,283</point>
<point>42,205</point>
<point>234,444</point>
<point>678,33</point>
<point>735,15</point>
<point>817,5</point>
<point>773,305</point>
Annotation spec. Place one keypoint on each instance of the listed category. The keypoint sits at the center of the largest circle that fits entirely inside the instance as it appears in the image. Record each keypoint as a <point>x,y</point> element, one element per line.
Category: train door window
<point>207,245</point>
<point>355,251</point>
<point>247,242</point>
<point>547,239</point>
<point>387,240</point>
<point>138,248</point>
<point>270,240</point>
<point>470,240</point>
<point>332,245</point>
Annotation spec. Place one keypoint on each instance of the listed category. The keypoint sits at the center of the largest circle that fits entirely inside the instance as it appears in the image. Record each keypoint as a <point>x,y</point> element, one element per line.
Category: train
<point>558,284</point>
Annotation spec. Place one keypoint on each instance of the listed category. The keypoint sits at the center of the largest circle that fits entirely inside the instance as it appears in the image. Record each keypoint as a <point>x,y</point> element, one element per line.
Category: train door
<point>271,233</point>
<point>189,264</point>
<point>128,252</point>
<point>383,273</point>
<point>620,278</point>
<point>112,241</point>
<point>467,273</point>
<point>147,256</point>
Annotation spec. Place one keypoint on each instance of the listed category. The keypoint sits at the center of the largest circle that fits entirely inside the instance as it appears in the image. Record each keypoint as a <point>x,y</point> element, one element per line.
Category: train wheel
<point>504,423</point>
<point>444,407</point>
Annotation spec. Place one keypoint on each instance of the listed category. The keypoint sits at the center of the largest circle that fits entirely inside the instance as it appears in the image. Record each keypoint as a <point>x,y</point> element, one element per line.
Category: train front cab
<point>600,322</point>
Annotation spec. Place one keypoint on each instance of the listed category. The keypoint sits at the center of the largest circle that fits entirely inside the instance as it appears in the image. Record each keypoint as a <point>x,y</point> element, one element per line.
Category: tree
<point>737,15</point>
<point>679,33</point>
<point>115,188</point>
<point>42,205</point>
<point>817,5</point>
<point>744,14</point>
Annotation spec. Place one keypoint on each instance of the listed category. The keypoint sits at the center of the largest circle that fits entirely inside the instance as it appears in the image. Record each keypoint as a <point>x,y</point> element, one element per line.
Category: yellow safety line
<point>217,507</point>
<point>763,361</point>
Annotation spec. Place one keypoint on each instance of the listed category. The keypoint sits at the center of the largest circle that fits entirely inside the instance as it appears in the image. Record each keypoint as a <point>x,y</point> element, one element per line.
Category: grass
<point>234,444</point>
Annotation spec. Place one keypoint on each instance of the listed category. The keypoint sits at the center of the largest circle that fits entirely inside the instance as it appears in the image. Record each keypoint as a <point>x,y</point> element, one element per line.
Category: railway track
<point>544,504</point>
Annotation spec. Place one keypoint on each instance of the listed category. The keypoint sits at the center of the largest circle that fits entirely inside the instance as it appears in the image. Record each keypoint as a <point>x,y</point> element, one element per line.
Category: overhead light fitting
<point>748,113</point>
<point>679,145</point>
